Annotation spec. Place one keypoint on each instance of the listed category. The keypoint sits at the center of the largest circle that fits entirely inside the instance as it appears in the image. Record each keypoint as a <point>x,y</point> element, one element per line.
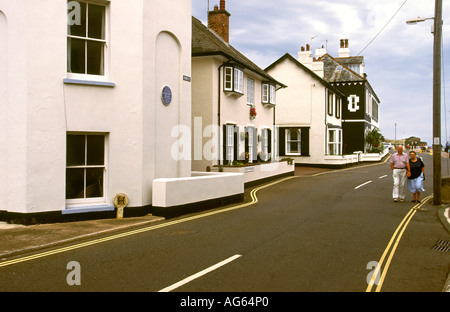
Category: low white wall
<point>340,160</point>
<point>374,156</point>
<point>201,186</point>
<point>261,171</point>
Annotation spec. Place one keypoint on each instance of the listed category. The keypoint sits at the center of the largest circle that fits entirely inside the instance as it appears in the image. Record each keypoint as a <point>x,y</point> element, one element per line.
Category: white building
<point>308,115</point>
<point>91,93</point>
<point>233,105</point>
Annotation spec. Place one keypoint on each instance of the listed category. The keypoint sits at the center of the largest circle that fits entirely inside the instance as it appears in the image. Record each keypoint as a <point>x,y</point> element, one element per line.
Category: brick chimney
<point>344,50</point>
<point>219,21</point>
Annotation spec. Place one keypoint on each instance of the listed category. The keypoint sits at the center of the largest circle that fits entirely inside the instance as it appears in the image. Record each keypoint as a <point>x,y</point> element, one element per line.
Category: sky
<point>399,62</point>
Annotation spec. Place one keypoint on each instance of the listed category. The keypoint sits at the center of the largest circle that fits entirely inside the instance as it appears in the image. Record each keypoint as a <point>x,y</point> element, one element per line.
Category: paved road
<point>316,233</point>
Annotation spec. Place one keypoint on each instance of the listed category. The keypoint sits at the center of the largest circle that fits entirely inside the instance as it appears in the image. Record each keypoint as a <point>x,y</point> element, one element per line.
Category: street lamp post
<point>437,175</point>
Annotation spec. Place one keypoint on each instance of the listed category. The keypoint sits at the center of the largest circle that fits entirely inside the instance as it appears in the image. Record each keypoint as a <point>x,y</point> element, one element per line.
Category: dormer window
<point>233,79</point>
<point>268,94</point>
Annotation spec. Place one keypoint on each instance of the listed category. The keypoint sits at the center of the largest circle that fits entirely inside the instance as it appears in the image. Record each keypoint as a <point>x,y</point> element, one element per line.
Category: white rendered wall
<point>41,109</point>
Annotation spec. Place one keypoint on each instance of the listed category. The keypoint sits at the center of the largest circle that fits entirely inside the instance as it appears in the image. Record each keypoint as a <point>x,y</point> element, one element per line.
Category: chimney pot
<point>307,47</point>
<point>216,8</point>
<point>222,4</point>
<point>303,49</point>
<point>346,43</point>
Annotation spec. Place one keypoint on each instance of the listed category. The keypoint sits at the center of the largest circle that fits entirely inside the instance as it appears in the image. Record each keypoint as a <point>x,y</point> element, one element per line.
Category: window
<point>293,142</point>
<point>234,79</point>
<point>266,144</point>
<point>265,93</point>
<point>353,103</point>
<point>330,103</point>
<point>338,107</point>
<point>85,172</point>
<point>268,94</point>
<point>375,109</point>
<point>238,80</point>
<point>250,91</point>
<point>229,143</point>
<point>334,142</point>
<point>86,38</point>
<point>251,144</point>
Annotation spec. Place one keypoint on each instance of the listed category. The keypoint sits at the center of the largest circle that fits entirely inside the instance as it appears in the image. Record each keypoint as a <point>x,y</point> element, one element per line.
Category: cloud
<point>398,62</point>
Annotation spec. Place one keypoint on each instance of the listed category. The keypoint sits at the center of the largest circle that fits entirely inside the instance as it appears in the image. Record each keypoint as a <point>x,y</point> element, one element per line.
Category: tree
<point>374,140</point>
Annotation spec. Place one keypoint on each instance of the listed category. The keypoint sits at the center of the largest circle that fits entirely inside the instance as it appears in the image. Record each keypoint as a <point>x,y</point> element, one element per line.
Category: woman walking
<point>415,176</point>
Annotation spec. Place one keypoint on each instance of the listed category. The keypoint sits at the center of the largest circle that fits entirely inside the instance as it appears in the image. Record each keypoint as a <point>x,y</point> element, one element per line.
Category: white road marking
<point>362,185</point>
<point>382,177</point>
<point>199,274</point>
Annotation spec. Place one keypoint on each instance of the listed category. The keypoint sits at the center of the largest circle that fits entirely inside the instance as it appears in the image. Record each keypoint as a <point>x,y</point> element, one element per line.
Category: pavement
<point>17,240</point>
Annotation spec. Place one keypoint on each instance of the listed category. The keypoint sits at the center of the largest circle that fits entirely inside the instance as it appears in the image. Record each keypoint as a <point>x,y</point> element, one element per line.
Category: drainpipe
<point>218,116</point>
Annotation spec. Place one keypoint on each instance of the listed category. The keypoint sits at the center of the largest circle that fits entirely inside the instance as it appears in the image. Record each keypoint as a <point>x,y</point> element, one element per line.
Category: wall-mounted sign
<point>166,95</point>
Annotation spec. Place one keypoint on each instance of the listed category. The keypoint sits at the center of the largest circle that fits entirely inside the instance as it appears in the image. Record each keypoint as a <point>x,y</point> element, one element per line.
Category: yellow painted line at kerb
<point>392,247</point>
<point>143,230</point>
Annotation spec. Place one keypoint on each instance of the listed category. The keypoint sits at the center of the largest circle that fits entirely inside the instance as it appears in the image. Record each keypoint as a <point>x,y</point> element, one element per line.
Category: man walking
<point>400,171</point>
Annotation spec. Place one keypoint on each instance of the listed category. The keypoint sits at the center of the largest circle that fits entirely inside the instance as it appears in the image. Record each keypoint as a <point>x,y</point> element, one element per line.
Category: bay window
<point>268,94</point>
<point>233,79</point>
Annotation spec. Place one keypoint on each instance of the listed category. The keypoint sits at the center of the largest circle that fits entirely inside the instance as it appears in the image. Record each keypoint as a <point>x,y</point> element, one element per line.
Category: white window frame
<point>95,200</point>
<point>233,79</point>
<point>335,145</point>
<point>338,107</point>
<point>250,91</point>
<point>238,80</point>
<point>265,143</point>
<point>265,93</point>
<point>289,140</point>
<point>230,144</point>
<point>330,103</point>
<point>228,78</point>
<point>251,131</point>
<point>268,94</point>
<point>85,76</point>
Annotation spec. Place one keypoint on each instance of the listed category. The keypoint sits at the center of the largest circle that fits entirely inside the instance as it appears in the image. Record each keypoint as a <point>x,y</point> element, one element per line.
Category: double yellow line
<point>391,248</point>
<point>142,230</point>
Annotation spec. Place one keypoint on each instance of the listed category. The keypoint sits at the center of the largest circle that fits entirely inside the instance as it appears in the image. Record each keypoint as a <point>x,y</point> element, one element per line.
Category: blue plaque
<point>166,95</point>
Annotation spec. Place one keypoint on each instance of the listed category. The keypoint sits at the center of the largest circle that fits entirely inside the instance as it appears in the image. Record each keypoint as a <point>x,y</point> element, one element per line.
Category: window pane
<point>228,78</point>
<point>94,183</point>
<point>75,150</point>
<point>76,56</point>
<point>96,21</point>
<point>332,137</point>
<point>95,53</point>
<point>294,147</point>
<point>74,183</point>
<point>272,95</point>
<point>76,15</point>
<point>265,93</point>
<point>293,135</point>
<point>95,150</point>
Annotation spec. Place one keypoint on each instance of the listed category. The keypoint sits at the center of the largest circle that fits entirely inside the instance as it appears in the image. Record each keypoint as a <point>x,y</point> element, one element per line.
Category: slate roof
<point>336,70</point>
<point>205,42</point>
